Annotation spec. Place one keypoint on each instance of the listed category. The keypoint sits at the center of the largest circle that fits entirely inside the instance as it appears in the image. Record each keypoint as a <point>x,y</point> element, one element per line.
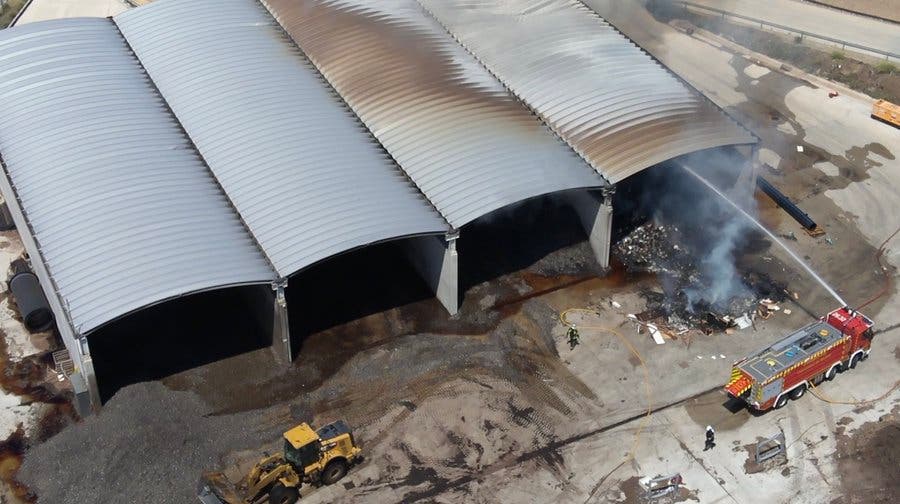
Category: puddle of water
<point>710,409</point>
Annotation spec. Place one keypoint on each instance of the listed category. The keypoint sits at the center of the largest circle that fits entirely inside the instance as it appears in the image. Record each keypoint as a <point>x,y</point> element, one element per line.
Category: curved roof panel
<point>122,209</point>
<point>615,105</point>
<point>463,139</point>
<point>308,179</point>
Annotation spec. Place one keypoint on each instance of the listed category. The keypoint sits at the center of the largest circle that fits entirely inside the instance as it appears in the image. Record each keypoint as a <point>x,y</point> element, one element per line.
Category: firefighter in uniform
<point>572,334</point>
<point>710,438</point>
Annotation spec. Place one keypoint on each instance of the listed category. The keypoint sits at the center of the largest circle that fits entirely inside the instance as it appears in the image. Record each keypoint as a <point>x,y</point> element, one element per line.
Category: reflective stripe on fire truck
<point>739,381</point>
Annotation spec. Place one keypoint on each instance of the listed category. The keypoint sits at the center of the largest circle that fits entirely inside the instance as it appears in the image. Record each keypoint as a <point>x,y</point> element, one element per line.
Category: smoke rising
<point>711,233</point>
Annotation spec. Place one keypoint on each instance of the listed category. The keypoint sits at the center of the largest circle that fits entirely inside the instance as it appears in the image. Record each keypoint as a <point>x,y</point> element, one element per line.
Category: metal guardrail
<point>843,43</point>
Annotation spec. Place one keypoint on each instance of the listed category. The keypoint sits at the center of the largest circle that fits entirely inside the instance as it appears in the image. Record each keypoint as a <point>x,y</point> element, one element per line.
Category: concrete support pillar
<point>745,184</point>
<point>595,211</point>
<point>436,260</point>
<point>281,329</point>
<point>84,381</point>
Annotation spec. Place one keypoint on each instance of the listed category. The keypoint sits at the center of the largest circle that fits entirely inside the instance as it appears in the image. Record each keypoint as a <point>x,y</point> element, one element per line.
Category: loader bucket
<point>214,488</point>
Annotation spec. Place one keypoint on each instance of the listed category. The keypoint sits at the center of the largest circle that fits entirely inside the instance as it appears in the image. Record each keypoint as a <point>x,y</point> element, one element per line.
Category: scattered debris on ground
<point>660,249</point>
<point>751,466</point>
<point>654,248</point>
<point>630,491</point>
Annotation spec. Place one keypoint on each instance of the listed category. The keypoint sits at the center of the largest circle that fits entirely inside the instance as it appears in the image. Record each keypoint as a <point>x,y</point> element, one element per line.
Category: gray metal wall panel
<point>307,177</point>
<point>466,142</point>
<point>122,208</point>
<point>608,99</point>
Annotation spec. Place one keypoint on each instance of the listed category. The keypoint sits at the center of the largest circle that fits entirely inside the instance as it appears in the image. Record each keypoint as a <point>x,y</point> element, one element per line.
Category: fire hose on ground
<point>884,290</point>
<point>563,317</point>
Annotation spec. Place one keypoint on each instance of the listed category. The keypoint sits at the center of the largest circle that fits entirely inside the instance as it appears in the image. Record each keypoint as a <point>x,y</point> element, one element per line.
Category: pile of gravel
<point>148,444</point>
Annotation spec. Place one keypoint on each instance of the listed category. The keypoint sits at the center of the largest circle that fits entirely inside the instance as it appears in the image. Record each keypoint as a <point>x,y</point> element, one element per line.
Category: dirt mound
<point>868,460</point>
<point>147,445</point>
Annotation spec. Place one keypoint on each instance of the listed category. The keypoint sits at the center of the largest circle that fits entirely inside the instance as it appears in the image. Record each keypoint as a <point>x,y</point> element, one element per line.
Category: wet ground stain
<point>634,493</point>
<point>774,122</point>
<point>715,409</point>
<point>12,449</point>
<point>750,464</point>
<point>868,460</point>
<point>28,379</point>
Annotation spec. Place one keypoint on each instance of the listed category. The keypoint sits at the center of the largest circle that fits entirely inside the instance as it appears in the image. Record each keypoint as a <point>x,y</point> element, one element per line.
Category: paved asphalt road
<point>816,19</point>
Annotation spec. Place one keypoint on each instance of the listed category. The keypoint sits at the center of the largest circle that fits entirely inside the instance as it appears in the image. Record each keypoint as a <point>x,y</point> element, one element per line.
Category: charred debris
<point>693,295</point>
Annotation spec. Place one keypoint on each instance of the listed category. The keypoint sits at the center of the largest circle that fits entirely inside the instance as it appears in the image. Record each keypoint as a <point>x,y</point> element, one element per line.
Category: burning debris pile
<point>653,248</point>
<point>674,313</point>
<point>702,289</point>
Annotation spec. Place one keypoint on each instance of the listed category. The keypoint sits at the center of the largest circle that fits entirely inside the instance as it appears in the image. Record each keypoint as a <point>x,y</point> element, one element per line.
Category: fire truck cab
<point>812,354</point>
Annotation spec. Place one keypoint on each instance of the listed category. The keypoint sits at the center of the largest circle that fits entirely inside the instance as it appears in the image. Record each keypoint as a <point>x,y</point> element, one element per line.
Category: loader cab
<point>302,447</point>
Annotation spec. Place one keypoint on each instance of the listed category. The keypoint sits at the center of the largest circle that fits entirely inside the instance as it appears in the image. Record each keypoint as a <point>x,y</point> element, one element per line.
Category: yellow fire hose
<point>827,399</point>
<point>564,318</point>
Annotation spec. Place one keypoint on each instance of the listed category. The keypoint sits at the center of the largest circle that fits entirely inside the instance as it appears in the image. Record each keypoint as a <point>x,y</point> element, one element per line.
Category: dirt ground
<point>870,458</point>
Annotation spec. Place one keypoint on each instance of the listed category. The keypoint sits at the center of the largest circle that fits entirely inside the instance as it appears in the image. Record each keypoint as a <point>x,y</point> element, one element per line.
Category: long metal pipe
<point>784,202</point>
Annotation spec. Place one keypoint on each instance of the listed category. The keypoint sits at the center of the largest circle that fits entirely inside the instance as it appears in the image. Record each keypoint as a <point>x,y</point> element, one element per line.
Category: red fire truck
<point>812,354</point>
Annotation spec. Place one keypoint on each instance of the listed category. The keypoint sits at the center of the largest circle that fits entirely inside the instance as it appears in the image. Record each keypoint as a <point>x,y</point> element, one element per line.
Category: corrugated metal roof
<point>608,99</point>
<point>463,139</point>
<point>306,176</point>
<point>123,209</point>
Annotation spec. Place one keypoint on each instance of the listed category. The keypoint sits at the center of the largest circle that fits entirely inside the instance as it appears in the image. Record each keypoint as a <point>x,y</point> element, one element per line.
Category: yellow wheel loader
<point>309,456</point>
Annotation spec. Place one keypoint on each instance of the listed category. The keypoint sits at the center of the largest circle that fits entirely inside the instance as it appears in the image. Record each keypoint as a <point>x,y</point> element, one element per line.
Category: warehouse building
<point>209,149</point>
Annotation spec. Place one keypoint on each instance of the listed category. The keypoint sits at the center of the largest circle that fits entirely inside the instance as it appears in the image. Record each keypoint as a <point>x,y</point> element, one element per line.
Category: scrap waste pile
<point>663,250</point>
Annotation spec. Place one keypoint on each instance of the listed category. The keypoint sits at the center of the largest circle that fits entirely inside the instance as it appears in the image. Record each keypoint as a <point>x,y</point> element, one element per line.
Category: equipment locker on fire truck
<point>812,354</point>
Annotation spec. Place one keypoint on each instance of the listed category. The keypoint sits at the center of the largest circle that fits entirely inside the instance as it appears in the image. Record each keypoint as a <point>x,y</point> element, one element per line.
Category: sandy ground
<point>492,406</point>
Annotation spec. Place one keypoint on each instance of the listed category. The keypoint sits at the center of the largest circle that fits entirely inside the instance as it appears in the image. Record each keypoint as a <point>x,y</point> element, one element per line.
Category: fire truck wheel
<point>832,373</point>
<point>781,401</point>
<point>854,361</point>
<point>798,392</point>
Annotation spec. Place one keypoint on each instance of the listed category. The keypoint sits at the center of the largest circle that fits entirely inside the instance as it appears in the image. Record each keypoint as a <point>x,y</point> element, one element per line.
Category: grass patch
<point>9,11</point>
<point>837,55</point>
<point>886,67</point>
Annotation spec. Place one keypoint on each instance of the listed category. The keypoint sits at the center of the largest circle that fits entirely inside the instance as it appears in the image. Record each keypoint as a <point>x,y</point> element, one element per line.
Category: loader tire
<point>334,471</point>
<point>280,494</point>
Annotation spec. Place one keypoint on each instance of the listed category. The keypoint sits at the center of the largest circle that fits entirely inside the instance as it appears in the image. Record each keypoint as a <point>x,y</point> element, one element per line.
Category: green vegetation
<point>837,55</point>
<point>886,67</point>
<point>9,11</point>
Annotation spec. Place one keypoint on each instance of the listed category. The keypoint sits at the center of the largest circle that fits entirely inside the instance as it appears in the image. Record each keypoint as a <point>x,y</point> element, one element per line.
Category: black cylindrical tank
<point>29,297</point>
<point>6,220</point>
